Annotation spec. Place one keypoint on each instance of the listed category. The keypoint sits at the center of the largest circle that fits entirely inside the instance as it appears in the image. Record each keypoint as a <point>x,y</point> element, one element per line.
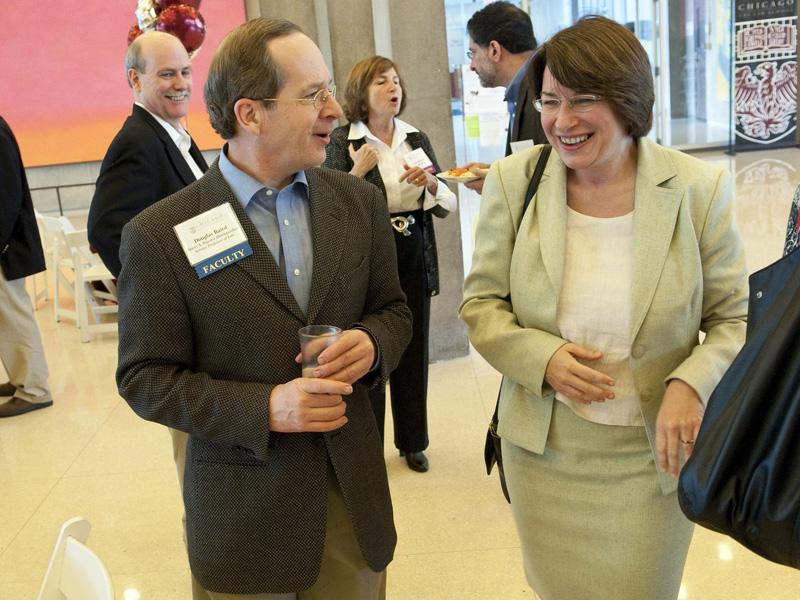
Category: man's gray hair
<point>242,67</point>
<point>134,58</point>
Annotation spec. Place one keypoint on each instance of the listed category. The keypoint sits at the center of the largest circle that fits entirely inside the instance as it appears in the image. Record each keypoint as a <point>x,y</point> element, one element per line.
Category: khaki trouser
<point>21,350</point>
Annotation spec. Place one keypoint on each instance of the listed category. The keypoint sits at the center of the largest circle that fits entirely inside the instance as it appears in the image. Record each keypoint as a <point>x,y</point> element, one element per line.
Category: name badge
<point>521,145</point>
<point>418,158</point>
<point>213,240</point>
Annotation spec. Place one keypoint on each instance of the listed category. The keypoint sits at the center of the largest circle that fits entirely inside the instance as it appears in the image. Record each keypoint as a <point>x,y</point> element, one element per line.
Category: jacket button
<point>434,292</point>
<point>638,351</point>
<point>429,247</point>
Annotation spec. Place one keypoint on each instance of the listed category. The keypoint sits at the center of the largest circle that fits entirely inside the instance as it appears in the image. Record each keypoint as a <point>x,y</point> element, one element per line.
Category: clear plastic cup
<point>313,340</point>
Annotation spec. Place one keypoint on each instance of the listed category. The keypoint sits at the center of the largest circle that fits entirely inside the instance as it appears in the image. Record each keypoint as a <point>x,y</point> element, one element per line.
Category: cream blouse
<point>594,309</point>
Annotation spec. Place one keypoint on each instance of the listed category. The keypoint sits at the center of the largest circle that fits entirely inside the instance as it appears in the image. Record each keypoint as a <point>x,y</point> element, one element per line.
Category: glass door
<point>689,45</point>
<point>695,67</point>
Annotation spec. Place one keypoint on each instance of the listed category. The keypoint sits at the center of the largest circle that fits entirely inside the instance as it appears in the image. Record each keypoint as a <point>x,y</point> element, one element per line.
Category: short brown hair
<point>599,56</point>
<point>356,95</point>
<point>242,67</point>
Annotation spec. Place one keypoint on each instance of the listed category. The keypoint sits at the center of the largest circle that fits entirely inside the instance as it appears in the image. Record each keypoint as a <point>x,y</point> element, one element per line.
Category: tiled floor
<point>90,455</point>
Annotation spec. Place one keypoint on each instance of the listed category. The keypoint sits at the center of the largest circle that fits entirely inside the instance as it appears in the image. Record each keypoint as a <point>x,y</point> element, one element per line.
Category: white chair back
<point>44,292</point>
<point>60,262</point>
<point>66,224</point>
<point>75,572</point>
<point>87,269</point>
<point>76,268</point>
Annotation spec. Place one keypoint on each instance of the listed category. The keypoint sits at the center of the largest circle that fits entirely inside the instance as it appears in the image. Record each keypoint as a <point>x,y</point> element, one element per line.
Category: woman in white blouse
<point>392,154</point>
<point>590,304</point>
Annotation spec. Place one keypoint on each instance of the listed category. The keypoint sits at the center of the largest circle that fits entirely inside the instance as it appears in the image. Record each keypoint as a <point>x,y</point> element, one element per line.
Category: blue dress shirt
<point>283,220</point>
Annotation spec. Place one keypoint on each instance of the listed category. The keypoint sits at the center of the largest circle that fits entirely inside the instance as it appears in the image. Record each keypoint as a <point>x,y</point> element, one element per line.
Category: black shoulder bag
<point>743,477</point>
<point>492,452</point>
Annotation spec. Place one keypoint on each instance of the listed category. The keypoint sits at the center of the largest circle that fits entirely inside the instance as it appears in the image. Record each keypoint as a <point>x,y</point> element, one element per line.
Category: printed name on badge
<point>213,240</point>
<point>418,158</point>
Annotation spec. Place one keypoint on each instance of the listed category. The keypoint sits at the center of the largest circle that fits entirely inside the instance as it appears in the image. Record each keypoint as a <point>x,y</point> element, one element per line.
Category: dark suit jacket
<point>203,355</point>
<point>142,166</point>
<point>20,246</point>
<point>338,157</point>
<point>527,123</point>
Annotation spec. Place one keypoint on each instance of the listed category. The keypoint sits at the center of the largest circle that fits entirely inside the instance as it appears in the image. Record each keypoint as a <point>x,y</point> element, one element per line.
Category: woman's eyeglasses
<point>578,103</point>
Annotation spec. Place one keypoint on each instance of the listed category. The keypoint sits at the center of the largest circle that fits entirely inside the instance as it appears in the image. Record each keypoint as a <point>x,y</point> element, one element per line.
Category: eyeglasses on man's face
<point>578,103</point>
<point>474,50</point>
<point>318,99</point>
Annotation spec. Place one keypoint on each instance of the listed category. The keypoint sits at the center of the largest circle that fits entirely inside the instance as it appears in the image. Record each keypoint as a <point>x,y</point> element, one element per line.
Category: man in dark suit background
<point>501,42</point>
<point>152,156</point>
<point>21,350</point>
<point>285,489</point>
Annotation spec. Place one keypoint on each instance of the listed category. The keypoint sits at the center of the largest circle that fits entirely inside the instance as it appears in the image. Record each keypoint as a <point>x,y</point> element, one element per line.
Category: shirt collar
<point>512,91</point>
<point>244,186</point>
<point>179,136</point>
<point>360,130</point>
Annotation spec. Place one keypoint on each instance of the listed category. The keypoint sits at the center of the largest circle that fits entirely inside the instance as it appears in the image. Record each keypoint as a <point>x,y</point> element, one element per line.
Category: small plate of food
<point>458,175</point>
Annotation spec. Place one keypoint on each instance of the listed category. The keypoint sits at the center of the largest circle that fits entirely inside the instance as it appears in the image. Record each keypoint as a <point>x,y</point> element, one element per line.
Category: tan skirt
<point>592,519</point>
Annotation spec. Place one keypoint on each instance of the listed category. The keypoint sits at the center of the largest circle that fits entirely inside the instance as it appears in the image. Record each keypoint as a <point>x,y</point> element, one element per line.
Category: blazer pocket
<point>350,272</point>
<point>219,454</point>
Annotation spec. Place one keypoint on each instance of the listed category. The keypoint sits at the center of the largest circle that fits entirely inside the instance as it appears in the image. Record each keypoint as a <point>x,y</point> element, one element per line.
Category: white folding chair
<point>44,293</point>
<point>87,268</point>
<point>60,261</point>
<point>75,572</point>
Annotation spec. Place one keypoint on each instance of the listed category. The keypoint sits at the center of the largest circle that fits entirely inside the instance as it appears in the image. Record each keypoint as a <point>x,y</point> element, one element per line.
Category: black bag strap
<point>536,177</point>
<point>532,187</point>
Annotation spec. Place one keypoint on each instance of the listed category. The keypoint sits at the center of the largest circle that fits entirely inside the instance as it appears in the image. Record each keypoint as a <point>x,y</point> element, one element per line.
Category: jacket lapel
<point>328,232</point>
<point>173,153</point>
<point>175,156</point>
<point>198,157</point>
<point>374,175</point>
<point>551,209</point>
<point>261,265</point>
<point>654,221</point>
<point>414,140</point>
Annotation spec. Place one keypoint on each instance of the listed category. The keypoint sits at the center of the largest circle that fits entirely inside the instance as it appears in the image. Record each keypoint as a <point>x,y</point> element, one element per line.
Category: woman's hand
<point>364,159</point>
<point>420,177</point>
<point>677,425</point>
<point>575,380</point>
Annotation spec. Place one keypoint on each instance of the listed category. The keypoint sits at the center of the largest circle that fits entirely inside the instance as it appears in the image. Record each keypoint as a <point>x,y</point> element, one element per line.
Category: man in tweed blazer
<point>285,487</point>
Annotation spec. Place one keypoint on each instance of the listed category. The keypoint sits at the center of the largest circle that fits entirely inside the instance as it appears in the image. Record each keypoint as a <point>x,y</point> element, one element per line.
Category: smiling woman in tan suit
<point>591,305</point>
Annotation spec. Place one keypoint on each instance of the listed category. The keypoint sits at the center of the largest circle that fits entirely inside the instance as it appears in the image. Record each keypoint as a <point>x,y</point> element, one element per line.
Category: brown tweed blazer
<point>202,356</point>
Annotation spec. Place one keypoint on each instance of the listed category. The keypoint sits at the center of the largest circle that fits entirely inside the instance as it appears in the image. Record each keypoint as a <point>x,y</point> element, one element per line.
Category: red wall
<point>62,75</point>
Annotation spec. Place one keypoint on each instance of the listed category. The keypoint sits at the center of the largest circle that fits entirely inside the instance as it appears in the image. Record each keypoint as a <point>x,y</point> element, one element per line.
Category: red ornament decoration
<point>133,33</point>
<point>185,23</point>
<point>163,4</point>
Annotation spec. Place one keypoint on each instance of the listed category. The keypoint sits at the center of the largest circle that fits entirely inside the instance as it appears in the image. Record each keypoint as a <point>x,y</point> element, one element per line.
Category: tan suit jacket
<point>689,275</point>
